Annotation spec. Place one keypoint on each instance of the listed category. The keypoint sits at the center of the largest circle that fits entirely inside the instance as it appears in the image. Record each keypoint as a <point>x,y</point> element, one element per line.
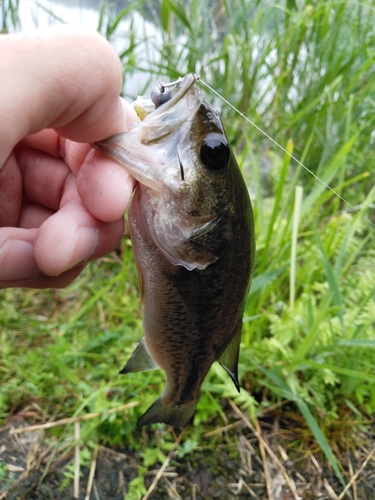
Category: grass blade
<point>293,256</point>
<point>332,281</point>
<point>320,438</point>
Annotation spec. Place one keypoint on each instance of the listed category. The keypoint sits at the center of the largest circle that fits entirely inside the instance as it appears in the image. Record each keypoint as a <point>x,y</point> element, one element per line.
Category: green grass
<point>303,72</point>
<point>9,20</point>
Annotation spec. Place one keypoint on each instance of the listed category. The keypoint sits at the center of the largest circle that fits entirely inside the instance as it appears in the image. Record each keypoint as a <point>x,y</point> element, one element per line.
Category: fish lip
<point>185,85</point>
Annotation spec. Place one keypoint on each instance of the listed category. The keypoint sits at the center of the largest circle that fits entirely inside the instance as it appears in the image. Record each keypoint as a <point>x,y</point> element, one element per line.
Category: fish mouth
<point>179,89</point>
<point>156,123</point>
<point>160,142</point>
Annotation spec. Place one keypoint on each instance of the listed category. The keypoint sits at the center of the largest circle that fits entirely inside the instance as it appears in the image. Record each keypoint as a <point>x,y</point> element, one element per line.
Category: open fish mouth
<point>149,148</point>
<point>165,111</point>
<point>169,94</point>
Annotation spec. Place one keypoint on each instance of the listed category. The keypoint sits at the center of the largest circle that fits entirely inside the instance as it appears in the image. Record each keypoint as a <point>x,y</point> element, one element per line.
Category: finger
<point>18,267</point>
<point>17,254</point>
<point>11,192</point>
<point>43,175</point>
<point>48,182</point>
<point>50,142</point>
<point>73,82</point>
<point>41,280</point>
<point>73,236</point>
<point>44,281</point>
<point>46,140</point>
<point>33,215</point>
<point>104,187</point>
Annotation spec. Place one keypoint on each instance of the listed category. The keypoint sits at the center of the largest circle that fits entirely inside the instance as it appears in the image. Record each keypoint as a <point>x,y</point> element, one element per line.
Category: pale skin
<point>61,202</point>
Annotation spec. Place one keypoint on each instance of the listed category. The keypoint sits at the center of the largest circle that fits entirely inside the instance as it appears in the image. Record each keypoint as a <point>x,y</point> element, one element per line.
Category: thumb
<point>65,78</point>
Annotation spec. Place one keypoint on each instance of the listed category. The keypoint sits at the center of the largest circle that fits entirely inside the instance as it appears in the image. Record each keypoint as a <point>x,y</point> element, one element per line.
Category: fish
<point>192,232</point>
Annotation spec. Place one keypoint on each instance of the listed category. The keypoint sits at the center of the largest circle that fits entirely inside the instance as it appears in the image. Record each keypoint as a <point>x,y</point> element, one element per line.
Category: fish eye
<point>214,152</point>
<point>160,95</point>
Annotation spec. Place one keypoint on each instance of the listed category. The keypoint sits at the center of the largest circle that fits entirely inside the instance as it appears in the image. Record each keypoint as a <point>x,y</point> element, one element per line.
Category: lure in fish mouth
<point>192,231</point>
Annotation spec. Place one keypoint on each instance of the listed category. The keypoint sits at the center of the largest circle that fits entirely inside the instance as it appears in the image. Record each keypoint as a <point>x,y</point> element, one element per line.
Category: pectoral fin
<point>229,357</point>
<point>194,242</point>
<point>140,360</point>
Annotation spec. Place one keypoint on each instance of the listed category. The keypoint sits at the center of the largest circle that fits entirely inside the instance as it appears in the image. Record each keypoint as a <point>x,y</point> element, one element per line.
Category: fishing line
<point>352,207</point>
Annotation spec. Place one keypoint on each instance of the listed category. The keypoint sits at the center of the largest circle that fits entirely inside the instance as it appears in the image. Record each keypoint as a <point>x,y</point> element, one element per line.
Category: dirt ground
<point>254,465</point>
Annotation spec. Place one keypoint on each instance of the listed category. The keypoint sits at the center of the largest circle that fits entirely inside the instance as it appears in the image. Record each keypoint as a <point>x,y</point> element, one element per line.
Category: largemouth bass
<point>192,230</point>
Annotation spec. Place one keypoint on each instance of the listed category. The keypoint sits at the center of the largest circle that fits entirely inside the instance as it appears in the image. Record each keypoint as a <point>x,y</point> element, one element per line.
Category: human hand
<point>61,202</point>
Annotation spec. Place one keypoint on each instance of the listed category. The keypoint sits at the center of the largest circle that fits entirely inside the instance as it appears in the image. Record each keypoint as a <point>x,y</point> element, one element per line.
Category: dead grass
<point>254,460</point>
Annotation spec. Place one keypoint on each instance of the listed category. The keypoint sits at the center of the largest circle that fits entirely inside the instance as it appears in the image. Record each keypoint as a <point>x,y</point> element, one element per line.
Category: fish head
<point>179,154</point>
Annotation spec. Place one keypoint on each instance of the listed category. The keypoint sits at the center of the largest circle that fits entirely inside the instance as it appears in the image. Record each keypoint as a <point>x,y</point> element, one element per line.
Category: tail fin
<point>178,416</point>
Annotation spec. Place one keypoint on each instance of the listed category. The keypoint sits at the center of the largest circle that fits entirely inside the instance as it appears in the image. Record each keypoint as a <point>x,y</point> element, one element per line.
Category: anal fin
<point>140,360</point>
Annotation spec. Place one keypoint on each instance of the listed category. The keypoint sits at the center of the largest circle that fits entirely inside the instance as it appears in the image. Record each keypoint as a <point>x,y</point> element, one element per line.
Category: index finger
<point>66,78</point>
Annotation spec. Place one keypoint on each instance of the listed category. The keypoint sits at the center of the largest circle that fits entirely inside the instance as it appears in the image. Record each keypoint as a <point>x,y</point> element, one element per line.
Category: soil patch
<point>245,466</point>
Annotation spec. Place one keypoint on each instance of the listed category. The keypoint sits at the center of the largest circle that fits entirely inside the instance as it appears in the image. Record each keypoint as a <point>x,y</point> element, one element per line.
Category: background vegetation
<point>303,71</point>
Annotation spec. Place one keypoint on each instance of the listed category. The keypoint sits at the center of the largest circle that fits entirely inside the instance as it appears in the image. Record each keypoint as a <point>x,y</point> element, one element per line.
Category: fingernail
<point>17,260</point>
<point>83,246</point>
